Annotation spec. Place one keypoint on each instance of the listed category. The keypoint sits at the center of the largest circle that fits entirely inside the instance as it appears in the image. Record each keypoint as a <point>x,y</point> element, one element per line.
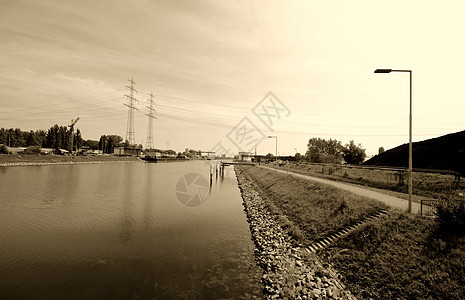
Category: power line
<point>62,110</point>
<point>58,103</point>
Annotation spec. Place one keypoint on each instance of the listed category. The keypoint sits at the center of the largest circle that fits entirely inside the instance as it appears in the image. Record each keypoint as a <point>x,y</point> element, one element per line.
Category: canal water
<point>124,231</point>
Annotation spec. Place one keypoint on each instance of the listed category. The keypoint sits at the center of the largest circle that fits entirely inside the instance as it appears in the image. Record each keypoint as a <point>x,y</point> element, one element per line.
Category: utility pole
<point>151,115</point>
<point>255,153</point>
<point>130,137</point>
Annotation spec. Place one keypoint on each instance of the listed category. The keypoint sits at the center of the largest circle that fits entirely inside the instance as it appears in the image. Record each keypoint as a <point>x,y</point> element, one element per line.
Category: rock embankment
<point>290,271</point>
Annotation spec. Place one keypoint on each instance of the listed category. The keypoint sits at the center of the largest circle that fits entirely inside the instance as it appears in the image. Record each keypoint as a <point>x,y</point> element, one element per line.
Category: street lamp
<point>274,136</point>
<point>410,136</point>
<point>255,153</point>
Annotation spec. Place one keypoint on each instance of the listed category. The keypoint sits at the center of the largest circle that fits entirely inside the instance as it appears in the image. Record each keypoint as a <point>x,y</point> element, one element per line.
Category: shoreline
<point>42,160</point>
<point>290,270</point>
<point>16,160</point>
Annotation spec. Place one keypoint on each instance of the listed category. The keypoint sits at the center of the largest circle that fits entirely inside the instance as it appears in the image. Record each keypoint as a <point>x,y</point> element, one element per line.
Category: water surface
<point>118,231</point>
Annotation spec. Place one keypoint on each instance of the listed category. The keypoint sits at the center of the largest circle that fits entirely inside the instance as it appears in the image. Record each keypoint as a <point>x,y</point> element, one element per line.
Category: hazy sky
<point>209,63</point>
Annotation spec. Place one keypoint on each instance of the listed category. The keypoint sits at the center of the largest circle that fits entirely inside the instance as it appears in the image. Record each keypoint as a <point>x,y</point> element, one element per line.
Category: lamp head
<point>383,70</point>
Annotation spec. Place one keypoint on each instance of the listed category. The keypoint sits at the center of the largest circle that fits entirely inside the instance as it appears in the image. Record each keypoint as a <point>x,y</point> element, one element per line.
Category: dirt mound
<point>446,152</point>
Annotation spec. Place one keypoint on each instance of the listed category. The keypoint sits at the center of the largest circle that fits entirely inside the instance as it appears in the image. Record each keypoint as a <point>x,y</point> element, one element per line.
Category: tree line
<point>332,151</point>
<point>57,137</point>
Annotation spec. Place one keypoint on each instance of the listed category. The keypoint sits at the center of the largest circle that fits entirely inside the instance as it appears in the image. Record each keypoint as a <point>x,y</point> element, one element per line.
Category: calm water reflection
<point>118,231</point>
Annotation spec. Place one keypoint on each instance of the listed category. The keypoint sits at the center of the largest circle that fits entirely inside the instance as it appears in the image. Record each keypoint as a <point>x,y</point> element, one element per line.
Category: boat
<point>151,159</point>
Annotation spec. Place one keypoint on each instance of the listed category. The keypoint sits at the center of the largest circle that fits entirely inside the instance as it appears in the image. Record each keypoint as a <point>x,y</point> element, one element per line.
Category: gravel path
<point>393,202</point>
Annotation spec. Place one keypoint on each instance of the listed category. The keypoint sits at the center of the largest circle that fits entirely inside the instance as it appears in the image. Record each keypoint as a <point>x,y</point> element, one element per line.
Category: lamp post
<point>255,153</point>
<point>410,156</point>
<point>274,136</point>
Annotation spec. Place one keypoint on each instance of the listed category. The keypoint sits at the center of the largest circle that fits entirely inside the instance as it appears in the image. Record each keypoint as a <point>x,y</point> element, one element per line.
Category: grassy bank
<point>401,257</point>
<point>424,184</point>
<point>319,210</point>
<point>398,256</point>
<point>46,159</point>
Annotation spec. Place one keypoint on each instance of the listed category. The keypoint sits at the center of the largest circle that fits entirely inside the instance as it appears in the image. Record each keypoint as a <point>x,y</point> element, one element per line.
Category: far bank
<point>29,160</point>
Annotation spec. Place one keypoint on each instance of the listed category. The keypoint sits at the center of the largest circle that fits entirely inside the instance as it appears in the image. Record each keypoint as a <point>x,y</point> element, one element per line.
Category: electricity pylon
<point>151,115</point>
<point>130,136</point>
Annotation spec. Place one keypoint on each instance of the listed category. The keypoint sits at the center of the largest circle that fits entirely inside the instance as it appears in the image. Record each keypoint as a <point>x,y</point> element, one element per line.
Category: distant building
<point>85,150</point>
<point>127,151</point>
<point>245,156</point>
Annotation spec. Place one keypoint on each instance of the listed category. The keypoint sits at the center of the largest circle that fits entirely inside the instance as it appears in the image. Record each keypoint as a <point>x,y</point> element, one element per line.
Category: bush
<point>4,150</point>
<point>353,154</point>
<point>32,150</point>
<point>451,214</point>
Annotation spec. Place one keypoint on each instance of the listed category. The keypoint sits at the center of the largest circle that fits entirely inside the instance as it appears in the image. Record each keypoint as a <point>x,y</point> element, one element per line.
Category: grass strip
<point>318,210</point>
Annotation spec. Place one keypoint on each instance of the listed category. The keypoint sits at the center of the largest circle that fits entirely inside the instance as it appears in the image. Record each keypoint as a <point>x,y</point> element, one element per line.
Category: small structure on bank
<point>127,151</point>
<point>245,156</point>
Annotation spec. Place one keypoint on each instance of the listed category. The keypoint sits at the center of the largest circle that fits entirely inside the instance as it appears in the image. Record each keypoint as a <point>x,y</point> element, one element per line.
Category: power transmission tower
<point>130,137</point>
<point>151,115</point>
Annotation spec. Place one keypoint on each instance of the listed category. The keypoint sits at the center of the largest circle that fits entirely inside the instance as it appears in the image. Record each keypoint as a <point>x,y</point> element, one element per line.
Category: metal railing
<point>385,168</point>
<point>428,207</point>
<point>399,170</point>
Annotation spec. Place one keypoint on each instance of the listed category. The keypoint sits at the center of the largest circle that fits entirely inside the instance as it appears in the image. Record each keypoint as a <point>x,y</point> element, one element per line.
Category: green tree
<point>92,144</point>
<point>20,138</point>
<point>4,149</point>
<point>353,154</point>
<point>77,142</point>
<point>108,143</point>
<point>32,139</point>
<point>40,137</point>
<point>51,138</point>
<point>103,143</point>
<point>3,136</point>
<point>64,138</point>
<point>324,151</point>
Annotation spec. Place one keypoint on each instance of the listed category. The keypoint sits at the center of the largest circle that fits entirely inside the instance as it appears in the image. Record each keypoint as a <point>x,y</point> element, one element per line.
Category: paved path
<point>389,200</point>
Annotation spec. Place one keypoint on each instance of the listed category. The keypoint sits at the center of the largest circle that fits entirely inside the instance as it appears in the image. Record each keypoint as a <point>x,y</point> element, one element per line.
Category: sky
<point>212,64</point>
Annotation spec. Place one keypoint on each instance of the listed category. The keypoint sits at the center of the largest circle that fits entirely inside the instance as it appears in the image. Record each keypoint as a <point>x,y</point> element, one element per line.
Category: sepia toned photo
<point>220,149</point>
